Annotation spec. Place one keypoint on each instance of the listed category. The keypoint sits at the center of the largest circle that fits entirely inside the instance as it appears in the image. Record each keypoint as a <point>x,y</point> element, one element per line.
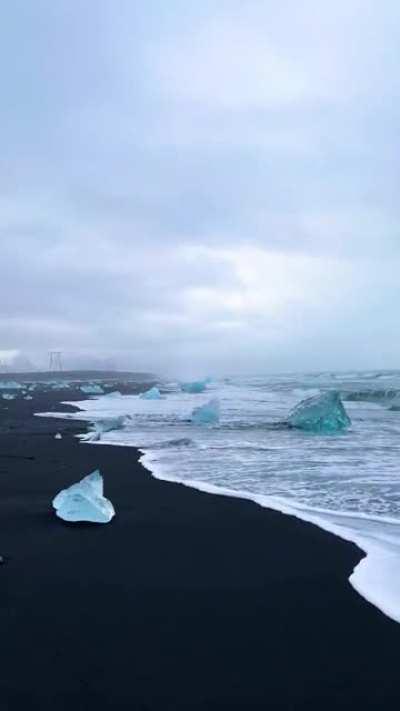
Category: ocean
<point>347,483</point>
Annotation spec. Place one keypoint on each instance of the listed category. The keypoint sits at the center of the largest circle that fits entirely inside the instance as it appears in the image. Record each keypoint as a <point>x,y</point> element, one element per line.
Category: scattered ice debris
<point>28,397</point>
<point>60,385</point>
<point>207,414</point>
<point>321,413</point>
<point>197,386</point>
<point>58,436</point>
<point>152,394</point>
<point>84,501</point>
<point>10,385</point>
<point>8,396</point>
<point>101,426</point>
<point>92,389</point>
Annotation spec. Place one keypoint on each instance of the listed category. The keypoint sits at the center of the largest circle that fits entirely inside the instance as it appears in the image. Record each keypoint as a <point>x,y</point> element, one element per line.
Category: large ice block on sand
<point>84,501</point>
<point>196,386</point>
<point>92,389</point>
<point>321,413</point>
<point>207,414</point>
<point>152,394</point>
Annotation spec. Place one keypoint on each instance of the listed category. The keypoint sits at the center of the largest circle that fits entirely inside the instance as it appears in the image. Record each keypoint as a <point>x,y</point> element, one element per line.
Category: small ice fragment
<point>207,414</point>
<point>152,394</point>
<point>58,436</point>
<point>321,413</point>
<point>92,389</point>
<point>84,501</point>
<point>8,396</point>
<point>114,393</point>
<point>197,386</point>
<point>28,397</point>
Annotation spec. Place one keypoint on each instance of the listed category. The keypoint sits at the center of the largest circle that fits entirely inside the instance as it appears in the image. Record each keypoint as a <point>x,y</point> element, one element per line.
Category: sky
<point>200,187</point>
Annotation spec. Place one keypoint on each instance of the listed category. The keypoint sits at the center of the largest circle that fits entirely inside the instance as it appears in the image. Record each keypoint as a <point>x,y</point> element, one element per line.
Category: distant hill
<point>115,375</point>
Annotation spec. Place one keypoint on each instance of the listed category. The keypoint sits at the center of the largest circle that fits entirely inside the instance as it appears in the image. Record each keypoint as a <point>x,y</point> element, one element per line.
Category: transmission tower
<point>55,362</point>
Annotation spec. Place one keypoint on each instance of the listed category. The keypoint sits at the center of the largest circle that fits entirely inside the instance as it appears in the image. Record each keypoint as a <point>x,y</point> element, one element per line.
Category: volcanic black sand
<point>185,601</point>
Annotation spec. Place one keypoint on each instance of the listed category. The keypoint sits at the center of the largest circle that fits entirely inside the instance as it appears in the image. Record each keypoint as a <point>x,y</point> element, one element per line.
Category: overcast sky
<point>201,186</point>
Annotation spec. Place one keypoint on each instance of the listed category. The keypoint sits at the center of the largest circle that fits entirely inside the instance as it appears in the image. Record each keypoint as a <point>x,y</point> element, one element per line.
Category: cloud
<point>200,186</point>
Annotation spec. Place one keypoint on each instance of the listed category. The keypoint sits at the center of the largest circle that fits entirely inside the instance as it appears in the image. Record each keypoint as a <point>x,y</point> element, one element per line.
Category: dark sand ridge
<point>185,601</point>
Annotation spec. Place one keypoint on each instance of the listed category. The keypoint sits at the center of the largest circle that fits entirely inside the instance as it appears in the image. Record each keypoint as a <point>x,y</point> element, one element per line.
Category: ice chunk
<point>207,414</point>
<point>28,397</point>
<point>59,385</point>
<point>321,413</point>
<point>10,385</point>
<point>152,394</point>
<point>58,436</point>
<point>106,425</point>
<point>84,501</point>
<point>92,389</point>
<point>8,396</point>
<point>114,393</point>
<point>196,386</point>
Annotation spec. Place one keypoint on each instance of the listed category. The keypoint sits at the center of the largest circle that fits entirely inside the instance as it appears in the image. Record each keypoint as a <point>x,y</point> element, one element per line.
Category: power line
<point>55,362</point>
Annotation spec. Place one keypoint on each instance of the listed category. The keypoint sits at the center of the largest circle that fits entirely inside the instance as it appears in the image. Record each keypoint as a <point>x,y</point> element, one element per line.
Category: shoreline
<point>375,575</point>
<point>188,600</point>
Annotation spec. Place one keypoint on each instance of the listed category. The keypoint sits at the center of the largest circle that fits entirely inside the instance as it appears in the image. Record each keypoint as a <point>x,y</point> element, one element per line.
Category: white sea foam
<point>347,484</point>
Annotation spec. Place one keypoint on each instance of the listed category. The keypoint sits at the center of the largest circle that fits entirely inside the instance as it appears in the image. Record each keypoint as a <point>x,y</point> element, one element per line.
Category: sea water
<point>347,483</point>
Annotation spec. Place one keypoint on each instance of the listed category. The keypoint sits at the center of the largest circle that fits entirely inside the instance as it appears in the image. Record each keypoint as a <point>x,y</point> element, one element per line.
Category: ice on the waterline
<point>321,413</point>
<point>84,501</point>
<point>8,396</point>
<point>152,394</point>
<point>101,426</point>
<point>207,414</point>
<point>92,389</point>
<point>58,436</point>
<point>10,385</point>
<point>59,385</point>
<point>196,386</point>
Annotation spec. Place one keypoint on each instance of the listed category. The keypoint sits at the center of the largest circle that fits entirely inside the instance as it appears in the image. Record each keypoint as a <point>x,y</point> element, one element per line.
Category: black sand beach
<point>184,601</point>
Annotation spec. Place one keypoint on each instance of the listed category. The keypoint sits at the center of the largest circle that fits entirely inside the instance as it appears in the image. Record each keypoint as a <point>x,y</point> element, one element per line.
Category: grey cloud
<point>146,147</point>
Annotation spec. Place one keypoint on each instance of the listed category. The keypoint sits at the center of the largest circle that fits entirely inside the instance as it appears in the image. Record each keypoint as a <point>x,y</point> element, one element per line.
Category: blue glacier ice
<point>84,501</point>
<point>10,385</point>
<point>152,394</point>
<point>92,389</point>
<point>59,385</point>
<point>196,386</point>
<point>321,413</point>
<point>207,414</point>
